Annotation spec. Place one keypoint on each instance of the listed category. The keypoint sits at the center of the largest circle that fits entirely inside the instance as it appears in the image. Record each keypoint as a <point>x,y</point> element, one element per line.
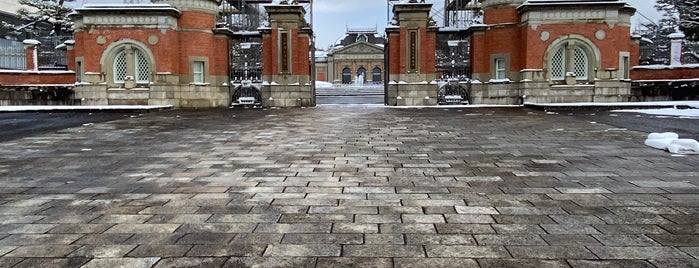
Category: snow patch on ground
<point>666,112</point>
<point>671,142</point>
<point>21,108</point>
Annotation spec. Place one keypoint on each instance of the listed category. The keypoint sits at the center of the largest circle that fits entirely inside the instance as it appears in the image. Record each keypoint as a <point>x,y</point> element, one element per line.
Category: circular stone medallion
<point>600,35</point>
<point>545,35</point>
<point>152,39</point>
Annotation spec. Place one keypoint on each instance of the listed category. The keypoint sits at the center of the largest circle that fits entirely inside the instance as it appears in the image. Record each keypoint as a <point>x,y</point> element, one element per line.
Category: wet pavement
<point>22,124</point>
<point>346,186</point>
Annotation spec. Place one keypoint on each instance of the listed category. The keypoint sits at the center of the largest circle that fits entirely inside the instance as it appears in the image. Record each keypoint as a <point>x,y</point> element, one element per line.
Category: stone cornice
<point>127,20</point>
<point>611,15</point>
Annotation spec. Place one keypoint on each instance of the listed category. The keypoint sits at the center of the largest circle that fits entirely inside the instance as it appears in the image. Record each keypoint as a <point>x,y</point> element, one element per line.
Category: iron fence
<point>658,52</point>
<point>12,55</point>
<point>50,57</point>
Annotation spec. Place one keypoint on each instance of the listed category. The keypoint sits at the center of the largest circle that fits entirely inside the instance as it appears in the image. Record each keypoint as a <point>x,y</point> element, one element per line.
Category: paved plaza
<point>350,186</point>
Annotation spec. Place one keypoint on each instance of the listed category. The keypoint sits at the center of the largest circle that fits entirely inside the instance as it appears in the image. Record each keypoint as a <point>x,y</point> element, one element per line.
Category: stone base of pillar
<point>288,96</point>
<point>421,94</point>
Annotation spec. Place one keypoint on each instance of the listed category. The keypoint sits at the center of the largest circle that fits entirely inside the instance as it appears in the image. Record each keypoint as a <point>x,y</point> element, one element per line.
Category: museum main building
<point>359,54</point>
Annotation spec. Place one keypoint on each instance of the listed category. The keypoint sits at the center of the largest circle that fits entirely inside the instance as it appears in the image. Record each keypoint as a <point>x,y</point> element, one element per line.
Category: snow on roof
<point>117,7</point>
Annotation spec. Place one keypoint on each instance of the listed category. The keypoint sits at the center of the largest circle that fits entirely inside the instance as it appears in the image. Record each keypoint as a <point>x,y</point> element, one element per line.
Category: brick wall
<point>13,78</point>
<point>665,72</point>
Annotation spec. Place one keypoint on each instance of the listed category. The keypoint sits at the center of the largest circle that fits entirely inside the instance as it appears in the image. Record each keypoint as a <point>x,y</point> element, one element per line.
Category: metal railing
<point>12,55</point>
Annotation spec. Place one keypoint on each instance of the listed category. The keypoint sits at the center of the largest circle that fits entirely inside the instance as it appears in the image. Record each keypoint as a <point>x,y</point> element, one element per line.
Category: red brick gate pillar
<point>285,51</point>
<point>412,41</point>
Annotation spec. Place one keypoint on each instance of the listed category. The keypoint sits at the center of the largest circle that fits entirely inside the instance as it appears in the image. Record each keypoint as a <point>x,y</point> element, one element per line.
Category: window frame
<point>198,72</point>
<point>500,68</point>
<point>568,45</point>
<point>128,47</point>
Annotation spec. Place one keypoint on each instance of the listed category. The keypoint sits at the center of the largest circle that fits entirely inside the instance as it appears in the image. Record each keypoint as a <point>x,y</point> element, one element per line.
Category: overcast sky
<point>331,17</point>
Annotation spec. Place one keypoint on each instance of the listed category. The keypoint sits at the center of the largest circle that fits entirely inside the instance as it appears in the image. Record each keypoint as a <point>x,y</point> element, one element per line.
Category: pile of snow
<point>323,84</point>
<point>671,142</point>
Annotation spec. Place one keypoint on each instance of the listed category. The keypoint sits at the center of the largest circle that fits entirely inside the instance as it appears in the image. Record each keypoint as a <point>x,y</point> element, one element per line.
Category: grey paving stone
<point>49,262</point>
<point>381,218</point>
<point>464,229</point>
<point>271,262</point>
<point>521,263</point>
<point>205,238</point>
<point>314,250</point>
<point>610,264</point>
<point>143,228</point>
<point>400,181</point>
<point>103,239</point>
<point>435,262</point>
<point>48,251</point>
<point>386,251</point>
<point>689,263</point>
<point>509,239</point>
<point>384,239</point>
<point>440,239</point>
<point>39,239</point>
<point>190,262</point>
<point>80,228</point>
<point>570,240</point>
<point>550,252</point>
<point>153,239</point>
<point>638,253</point>
<point>676,240</point>
<point>354,228</point>
<point>694,251</point>
<point>154,250</point>
<point>569,229</point>
<point>343,210</point>
<point>236,250</point>
<point>407,228</point>
<point>475,252</point>
<point>354,262</point>
<point>9,262</point>
<point>319,218</point>
<point>122,262</point>
<point>343,239</point>
<point>217,228</point>
<point>626,240</point>
<point>257,238</point>
<point>294,228</point>
<point>102,251</point>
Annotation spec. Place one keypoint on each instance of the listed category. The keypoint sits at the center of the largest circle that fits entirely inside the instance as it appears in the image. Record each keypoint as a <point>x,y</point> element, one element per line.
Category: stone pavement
<point>346,186</point>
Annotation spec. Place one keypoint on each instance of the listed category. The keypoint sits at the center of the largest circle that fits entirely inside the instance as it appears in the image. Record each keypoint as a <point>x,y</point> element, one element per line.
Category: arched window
<point>558,64</point>
<point>127,60</point>
<point>121,66</point>
<point>346,76</point>
<point>572,57</point>
<point>376,75</point>
<point>580,64</point>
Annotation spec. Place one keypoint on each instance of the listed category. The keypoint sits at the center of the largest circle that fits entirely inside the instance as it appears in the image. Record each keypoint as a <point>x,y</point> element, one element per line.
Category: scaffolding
<point>462,13</point>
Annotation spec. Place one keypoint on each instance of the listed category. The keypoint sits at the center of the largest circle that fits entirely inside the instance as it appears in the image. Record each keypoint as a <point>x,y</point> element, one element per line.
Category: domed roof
<point>354,35</point>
